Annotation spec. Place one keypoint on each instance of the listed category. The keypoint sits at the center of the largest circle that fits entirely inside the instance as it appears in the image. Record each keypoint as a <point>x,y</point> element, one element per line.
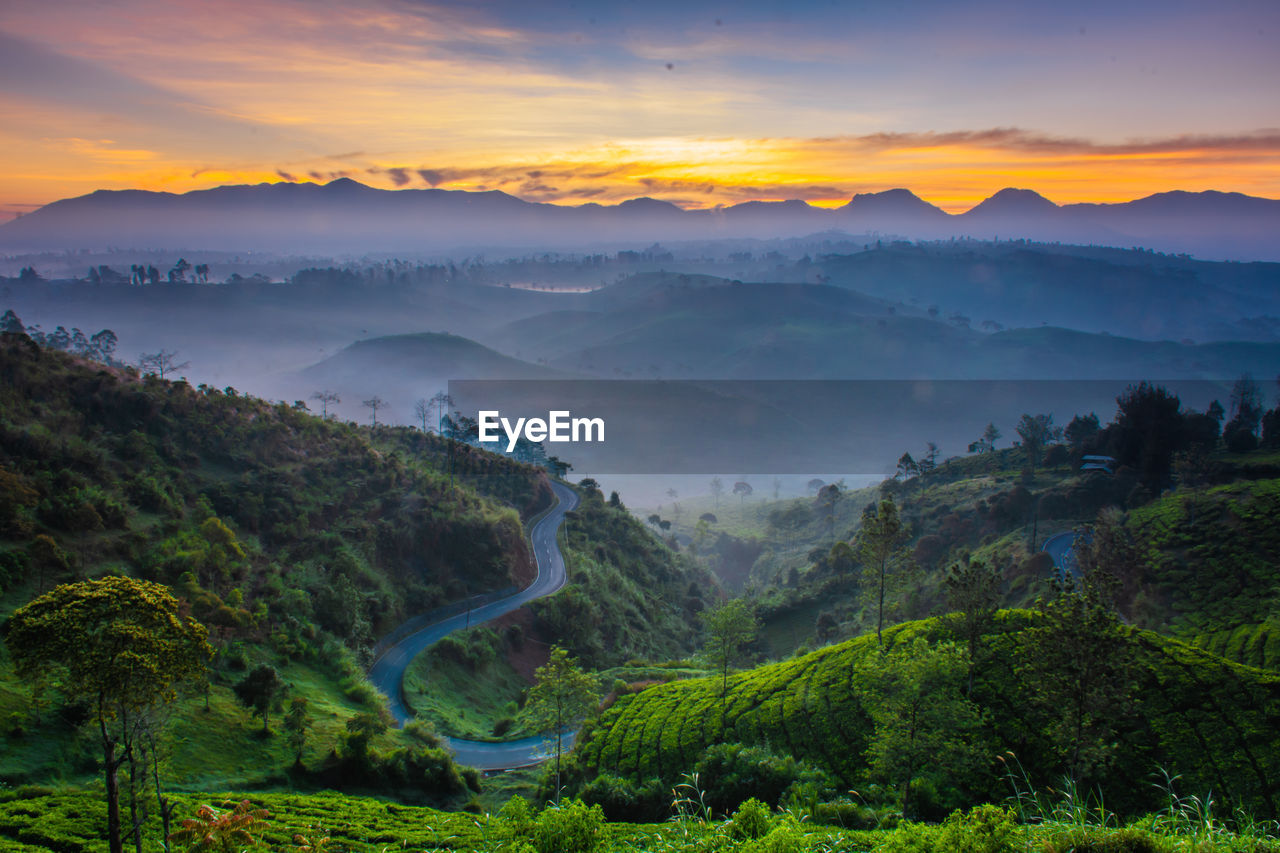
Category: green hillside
<point>1195,714</point>
<point>298,541</point>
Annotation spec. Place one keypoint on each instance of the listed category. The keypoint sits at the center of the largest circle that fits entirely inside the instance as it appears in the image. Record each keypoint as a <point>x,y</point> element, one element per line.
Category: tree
<point>882,555</point>
<point>1037,432</point>
<point>986,443</point>
<point>10,324</point>
<point>1078,663</point>
<point>1149,428</point>
<point>829,497</point>
<point>259,691</point>
<point>560,699</point>
<point>1241,432</point>
<point>103,345</point>
<point>729,627</point>
<point>930,459</point>
<point>923,723</point>
<point>161,363</point>
<point>326,397</point>
<point>907,467</point>
<point>814,485</point>
<point>1082,431</point>
<point>373,405</point>
<point>296,723</point>
<point>973,593</point>
<point>742,489</point>
<point>717,489</point>
<point>422,411</point>
<point>117,643</point>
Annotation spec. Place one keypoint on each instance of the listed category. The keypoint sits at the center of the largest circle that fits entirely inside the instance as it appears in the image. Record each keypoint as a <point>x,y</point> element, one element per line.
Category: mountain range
<point>345,216</point>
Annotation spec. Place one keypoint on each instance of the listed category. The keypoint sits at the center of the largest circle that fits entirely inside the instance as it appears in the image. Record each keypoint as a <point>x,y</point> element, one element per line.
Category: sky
<point>702,104</point>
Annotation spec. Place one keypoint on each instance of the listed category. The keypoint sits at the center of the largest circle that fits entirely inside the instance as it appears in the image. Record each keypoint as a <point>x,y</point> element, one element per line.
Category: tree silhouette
<point>742,488</point>
<point>161,363</point>
<point>373,405</point>
<point>326,397</point>
<point>880,549</point>
<point>717,489</point>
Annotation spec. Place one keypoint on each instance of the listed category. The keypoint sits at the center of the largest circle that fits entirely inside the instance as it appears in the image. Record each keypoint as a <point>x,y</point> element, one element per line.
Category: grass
<point>218,748</point>
<point>71,821</point>
<point>466,698</point>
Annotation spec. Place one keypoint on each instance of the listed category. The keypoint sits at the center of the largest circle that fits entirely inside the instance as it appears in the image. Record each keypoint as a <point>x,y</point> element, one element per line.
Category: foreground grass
<point>35,820</point>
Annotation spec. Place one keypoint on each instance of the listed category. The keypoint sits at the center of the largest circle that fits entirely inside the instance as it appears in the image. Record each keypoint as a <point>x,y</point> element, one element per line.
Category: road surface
<point>388,670</point>
<point>1060,549</point>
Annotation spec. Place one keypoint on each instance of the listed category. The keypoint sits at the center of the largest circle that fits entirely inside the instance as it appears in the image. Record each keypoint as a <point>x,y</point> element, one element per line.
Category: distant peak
<point>899,200</point>
<point>1015,201</point>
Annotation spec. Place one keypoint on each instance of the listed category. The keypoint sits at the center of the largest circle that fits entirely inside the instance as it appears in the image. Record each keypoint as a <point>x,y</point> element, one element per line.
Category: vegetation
<point>1203,717</point>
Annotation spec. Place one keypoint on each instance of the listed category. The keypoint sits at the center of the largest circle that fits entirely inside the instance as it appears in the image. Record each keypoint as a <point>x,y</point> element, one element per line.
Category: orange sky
<point>700,104</point>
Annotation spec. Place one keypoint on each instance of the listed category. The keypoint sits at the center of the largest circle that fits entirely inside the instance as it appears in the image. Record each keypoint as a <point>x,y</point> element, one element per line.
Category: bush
<point>571,827</point>
<point>984,829</point>
<point>911,838</point>
<point>1093,839</point>
<point>624,800</point>
<point>751,820</point>
<point>787,837</point>
<point>731,774</point>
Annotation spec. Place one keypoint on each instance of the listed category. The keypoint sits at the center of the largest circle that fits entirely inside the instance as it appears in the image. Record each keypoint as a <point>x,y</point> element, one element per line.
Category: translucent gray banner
<point>778,426</point>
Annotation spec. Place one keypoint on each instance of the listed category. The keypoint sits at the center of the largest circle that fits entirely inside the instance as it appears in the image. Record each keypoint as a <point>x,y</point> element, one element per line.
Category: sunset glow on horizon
<point>699,104</point>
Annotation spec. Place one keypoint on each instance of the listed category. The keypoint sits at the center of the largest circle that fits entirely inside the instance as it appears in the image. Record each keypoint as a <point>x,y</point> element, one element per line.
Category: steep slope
<point>298,541</point>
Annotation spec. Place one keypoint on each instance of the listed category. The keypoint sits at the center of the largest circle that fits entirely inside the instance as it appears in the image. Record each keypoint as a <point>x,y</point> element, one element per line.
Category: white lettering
<point>488,422</point>
<point>559,427</point>
<point>513,434</point>
<point>559,423</point>
<point>587,425</point>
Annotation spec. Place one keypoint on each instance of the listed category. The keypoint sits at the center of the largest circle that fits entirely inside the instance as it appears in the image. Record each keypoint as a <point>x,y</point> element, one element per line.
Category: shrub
<point>624,800</point>
<point>984,829</point>
<point>571,827</point>
<point>751,820</point>
<point>786,837</point>
<point>1093,839</point>
<point>732,774</point>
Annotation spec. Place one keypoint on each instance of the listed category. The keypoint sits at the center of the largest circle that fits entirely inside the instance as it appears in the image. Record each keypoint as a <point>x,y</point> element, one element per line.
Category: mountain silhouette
<point>345,216</point>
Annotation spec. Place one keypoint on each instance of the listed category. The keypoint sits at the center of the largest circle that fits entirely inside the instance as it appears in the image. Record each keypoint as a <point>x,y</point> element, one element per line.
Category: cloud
<point>286,175</point>
<point>399,175</point>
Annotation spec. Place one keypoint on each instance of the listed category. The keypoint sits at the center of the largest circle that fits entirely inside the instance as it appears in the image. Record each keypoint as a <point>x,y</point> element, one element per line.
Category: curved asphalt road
<point>388,670</point>
<point>1060,547</point>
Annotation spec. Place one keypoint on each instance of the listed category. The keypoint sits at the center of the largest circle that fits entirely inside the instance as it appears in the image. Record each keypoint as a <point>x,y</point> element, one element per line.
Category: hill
<point>297,540</point>
<point>1194,714</point>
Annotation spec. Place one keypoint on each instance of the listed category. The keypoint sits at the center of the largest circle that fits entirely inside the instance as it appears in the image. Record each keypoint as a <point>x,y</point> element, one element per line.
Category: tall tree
<point>973,594</point>
<point>1078,665</point>
<point>1037,432</point>
<point>561,698</point>
<point>1148,430</point>
<point>117,643</point>
<point>326,397</point>
<point>729,628</point>
<point>742,489</point>
<point>717,489</point>
<point>296,723</point>
<point>882,555</point>
<point>923,722</point>
<point>373,404</point>
<point>422,411</point>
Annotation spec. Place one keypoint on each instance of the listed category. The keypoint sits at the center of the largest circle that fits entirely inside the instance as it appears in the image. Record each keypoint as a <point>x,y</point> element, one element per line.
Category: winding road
<point>387,673</point>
